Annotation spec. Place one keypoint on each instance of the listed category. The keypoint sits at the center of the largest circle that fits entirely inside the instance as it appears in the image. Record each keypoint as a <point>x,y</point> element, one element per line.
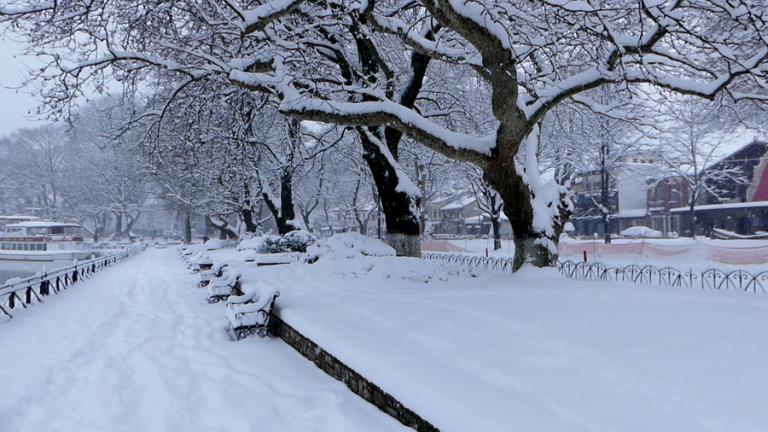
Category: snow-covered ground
<point>533,351</point>
<point>137,348</point>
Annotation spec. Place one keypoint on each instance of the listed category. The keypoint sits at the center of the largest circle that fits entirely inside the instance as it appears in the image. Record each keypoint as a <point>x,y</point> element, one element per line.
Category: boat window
<point>36,231</point>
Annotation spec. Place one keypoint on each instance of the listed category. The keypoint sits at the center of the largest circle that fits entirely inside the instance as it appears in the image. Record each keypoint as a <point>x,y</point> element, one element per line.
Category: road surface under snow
<point>137,348</point>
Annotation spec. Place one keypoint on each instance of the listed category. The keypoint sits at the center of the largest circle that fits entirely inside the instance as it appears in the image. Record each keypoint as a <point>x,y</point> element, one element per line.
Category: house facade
<point>637,198</point>
<point>460,215</point>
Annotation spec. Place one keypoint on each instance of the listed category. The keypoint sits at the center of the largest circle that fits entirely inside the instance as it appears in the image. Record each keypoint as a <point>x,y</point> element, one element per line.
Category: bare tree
<point>691,145</point>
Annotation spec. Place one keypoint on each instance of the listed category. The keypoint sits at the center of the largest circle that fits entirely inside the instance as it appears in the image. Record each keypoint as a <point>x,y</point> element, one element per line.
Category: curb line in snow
<point>357,383</point>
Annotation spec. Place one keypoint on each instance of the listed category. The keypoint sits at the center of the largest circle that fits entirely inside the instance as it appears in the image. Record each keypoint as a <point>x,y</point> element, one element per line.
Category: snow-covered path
<point>136,348</point>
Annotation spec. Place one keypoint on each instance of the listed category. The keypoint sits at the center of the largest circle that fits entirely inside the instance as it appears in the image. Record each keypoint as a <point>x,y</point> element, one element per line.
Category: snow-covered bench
<point>203,263</point>
<point>216,271</point>
<point>249,313</point>
<point>222,287</point>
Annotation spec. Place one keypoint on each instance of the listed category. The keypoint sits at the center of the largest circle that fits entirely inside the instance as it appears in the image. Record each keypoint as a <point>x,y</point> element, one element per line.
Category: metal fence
<point>474,261</point>
<point>25,292</point>
<point>714,279</point>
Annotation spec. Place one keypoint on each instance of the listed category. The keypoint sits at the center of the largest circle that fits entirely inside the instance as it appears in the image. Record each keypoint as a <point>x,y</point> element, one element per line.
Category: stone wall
<point>353,380</point>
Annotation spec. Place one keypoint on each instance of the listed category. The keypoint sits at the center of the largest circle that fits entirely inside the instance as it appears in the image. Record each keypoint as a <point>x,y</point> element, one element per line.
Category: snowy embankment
<point>137,348</point>
<point>533,351</point>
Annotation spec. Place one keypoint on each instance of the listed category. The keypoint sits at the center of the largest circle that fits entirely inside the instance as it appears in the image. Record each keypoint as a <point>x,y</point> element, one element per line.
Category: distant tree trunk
<point>496,226</point>
<point>225,230</point>
<point>118,225</point>
<point>362,224</point>
<point>605,193</point>
<point>692,218</point>
<point>131,222</point>
<point>283,213</point>
<point>606,227</point>
<point>187,226</point>
<point>246,212</point>
<point>100,225</point>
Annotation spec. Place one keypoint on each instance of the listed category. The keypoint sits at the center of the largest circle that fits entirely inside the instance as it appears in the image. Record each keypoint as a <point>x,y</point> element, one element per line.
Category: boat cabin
<point>41,236</point>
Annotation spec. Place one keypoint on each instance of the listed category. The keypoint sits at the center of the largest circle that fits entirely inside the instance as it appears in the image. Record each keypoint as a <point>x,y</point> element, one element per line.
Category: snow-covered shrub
<point>256,243</point>
<point>296,241</point>
<point>214,244</point>
<point>271,244</point>
<point>348,245</point>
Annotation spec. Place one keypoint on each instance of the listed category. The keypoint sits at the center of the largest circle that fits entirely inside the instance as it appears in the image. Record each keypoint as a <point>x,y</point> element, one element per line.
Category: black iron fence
<point>714,279</point>
<point>473,261</point>
<point>25,292</point>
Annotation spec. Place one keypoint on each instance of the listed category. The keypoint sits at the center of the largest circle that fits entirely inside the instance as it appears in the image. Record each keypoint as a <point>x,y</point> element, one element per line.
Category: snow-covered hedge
<point>297,241</point>
<point>258,243</point>
<point>348,245</point>
<point>294,241</point>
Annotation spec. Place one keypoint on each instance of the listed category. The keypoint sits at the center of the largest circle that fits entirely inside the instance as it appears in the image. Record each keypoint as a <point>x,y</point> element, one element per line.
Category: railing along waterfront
<point>21,293</point>
<point>712,278</point>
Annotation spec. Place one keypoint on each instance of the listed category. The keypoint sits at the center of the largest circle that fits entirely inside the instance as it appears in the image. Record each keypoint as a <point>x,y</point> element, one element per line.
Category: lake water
<point>22,269</point>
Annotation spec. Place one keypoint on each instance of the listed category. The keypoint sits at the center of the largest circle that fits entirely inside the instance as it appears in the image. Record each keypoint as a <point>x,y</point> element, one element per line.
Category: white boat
<point>44,241</point>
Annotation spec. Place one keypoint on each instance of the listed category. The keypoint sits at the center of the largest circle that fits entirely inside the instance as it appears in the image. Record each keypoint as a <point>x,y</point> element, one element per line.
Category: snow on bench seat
<point>249,313</point>
<point>222,287</point>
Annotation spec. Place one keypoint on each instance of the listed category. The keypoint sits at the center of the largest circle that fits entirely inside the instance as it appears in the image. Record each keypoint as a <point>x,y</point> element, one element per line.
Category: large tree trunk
<point>403,231</point>
<point>530,246</point>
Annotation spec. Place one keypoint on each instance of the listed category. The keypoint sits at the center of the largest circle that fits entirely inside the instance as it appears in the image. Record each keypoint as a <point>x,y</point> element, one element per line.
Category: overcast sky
<point>15,104</point>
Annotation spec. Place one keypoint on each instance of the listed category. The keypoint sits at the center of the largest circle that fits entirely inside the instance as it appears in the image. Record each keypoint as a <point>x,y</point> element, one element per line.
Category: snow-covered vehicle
<point>641,232</point>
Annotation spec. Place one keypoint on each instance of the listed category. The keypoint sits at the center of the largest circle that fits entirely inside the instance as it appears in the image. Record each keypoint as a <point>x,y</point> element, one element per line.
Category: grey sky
<point>15,104</point>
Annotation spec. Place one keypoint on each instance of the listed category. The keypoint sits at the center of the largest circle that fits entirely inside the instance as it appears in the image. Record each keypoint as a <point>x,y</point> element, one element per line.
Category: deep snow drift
<point>137,348</point>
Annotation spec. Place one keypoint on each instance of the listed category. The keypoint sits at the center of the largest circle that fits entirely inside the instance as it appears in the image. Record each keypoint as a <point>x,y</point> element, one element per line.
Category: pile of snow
<point>352,255</point>
<point>641,231</point>
<point>215,244</point>
<point>378,269</point>
<point>348,245</point>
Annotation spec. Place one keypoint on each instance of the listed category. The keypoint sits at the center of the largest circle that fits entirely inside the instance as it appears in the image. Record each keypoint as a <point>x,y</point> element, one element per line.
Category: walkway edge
<point>357,383</point>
